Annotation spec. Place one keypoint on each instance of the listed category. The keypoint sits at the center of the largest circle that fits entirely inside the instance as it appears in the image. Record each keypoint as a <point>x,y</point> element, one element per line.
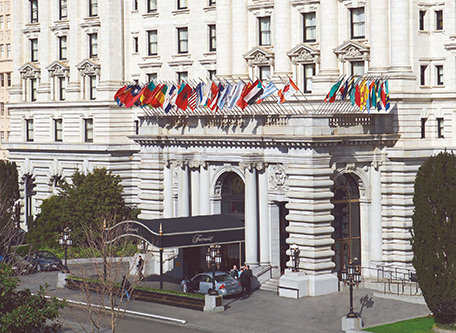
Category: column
<point>263,205</point>
<point>195,188</point>
<point>183,196</point>
<point>375,216</point>
<point>239,40</point>
<point>19,52</point>
<point>223,19</point>
<point>150,187</point>
<point>282,37</point>
<point>379,36</point>
<point>251,216</point>
<point>46,47</point>
<point>168,191</point>
<point>205,202</point>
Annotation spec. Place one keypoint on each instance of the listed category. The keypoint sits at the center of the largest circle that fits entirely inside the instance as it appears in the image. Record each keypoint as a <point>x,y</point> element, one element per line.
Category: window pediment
<point>353,3</point>
<point>30,71</point>
<point>259,56</point>
<point>150,63</point>
<point>304,54</point>
<point>60,28</point>
<point>32,30</point>
<point>58,68</point>
<point>351,50</point>
<point>91,25</point>
<point>88,67</point>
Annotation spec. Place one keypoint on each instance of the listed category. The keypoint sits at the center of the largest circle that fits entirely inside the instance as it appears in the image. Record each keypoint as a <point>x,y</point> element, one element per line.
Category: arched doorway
<point>347,231</point>
<point>232,193</point>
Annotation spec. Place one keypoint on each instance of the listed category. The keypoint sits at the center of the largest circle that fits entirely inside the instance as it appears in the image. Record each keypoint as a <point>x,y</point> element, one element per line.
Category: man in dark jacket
<point>249,274</point>
<point>140,266</point>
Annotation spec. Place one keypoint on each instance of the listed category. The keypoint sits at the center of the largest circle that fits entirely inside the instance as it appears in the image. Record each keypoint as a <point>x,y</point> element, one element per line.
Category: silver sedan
<point>202,283</point>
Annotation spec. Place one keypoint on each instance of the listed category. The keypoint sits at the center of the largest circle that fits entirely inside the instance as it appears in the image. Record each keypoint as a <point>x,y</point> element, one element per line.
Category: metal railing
<point>399,277</point>
<point>265,270</point>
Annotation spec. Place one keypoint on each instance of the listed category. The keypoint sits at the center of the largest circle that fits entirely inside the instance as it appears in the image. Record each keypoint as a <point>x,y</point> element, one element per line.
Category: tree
<point>434,234</point>
<point>85,202</point>
<point>22,311</point>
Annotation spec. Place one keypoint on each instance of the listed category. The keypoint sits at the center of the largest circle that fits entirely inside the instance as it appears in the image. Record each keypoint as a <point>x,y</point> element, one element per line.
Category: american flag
<point>192,100</point>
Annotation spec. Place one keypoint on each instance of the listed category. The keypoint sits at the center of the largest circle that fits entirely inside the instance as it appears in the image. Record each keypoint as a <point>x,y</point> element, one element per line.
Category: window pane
<point>265,31</point>
<point>93,10</point>
<point>58,129</point>
<point>309,72</point>
<point>88,130</point>
<point>358,20</point>
<point>62,88</point>
<point>310,27</point>
<point>93,45</point>
<point>357,68</point>
<point>63,47</point>
<point>93,87</point>
<point>265,72</point>
<point>63,9</point>
<point>152,5</point>
<point>183,40</point>
<point>153,42</point>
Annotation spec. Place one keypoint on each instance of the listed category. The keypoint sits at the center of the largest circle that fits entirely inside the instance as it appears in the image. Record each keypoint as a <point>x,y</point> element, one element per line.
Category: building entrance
<point>283,212</point>
<point>347,232</point>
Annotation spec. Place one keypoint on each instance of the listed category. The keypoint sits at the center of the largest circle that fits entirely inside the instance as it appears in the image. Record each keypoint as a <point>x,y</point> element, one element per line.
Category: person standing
<point>244,281</point>
<point>126,287</point>
<point>234,272</point>
<point>249,274</point>
<point>140,267</point>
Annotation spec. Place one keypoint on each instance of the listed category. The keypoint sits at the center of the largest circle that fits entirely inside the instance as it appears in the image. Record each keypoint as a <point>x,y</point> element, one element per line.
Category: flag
<point>182,96</point>
<point>383,95</point>
<point>215,98</point>
<point>167,104</point>
<point>236,95</point>
<point>387,96</point>
<point>147,92</point>
<point>241,102</point>
<point>363,94</point>
<point>223,99</point>
<point>344,88</point>
<point>268,90</point>
<point>136,100</point>
<point>204,95</point>
<point>192,99</point>
<point>152,94</point>
<point>159,97</point>
<point>287,91</point>
<point>379,95</point>
<point>128,101</point>
<point>255,92</point>
<point>357,95</point>
<point>331,96</point>
<point>212,94</point>
<point>352,91</point>
<point>120,94</point>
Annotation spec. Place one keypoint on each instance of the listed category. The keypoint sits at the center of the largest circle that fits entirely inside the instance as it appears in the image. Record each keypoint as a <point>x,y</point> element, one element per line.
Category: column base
<point>351,323</point>
<point>299,284</point>
<point>213,304</point>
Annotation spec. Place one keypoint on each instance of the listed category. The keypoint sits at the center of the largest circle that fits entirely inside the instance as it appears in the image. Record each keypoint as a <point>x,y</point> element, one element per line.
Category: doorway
<point>346,223</point>
<point>284,234</point>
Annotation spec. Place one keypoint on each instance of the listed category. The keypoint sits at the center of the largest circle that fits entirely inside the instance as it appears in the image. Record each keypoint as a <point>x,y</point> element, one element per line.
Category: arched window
<point>232,194</point>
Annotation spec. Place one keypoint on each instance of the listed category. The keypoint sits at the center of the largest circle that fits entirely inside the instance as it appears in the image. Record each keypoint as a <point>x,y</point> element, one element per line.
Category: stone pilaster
<point>150,185</point>
<point>375,215</point>
<point>251,214</point>
<point>282,37</point>
<point>205,201</point>
<point>263,207</point>
<point>240,43</point>
<point>379,37</point>
<point>224,43</point>
<point>183,195</point>
<point>195,189</point>
<point>168,211</point>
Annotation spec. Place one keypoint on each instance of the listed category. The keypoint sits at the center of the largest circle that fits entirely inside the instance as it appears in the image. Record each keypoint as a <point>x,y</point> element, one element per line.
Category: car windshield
<point>223,278</point>
<point>46,255</point>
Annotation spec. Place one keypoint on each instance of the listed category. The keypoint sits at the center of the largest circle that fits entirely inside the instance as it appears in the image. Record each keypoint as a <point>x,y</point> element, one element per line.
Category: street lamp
<point>65,241</point>
<point>213,259</point>
<point>351,276</point>
<point>295,255</point>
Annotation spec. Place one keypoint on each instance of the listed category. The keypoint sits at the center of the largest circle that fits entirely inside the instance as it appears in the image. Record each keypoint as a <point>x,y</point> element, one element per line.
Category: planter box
<point>144,295</point>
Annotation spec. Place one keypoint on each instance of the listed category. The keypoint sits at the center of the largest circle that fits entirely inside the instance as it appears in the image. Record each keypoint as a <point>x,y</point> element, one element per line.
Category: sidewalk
<point>266,312</point>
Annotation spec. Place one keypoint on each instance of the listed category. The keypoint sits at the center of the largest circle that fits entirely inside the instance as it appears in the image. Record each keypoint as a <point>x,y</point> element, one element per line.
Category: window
<point>310,27</point>
<point>136,127</point>
<point>93,8</point>
<point>439,73</point>
<point>8,50</point>
<point>63,12</point>
<point>135,4</point>
<point>357,68</point>
<point>63,48</point>
<point>58,129</point>
<point>33,86</point>
<point>182,35</point>
<point>29,129</point>
<point>8,79</point>
<point>8,21</point>
<point>1,22</point>
<point>2,108</point>
<point>265,30</point>
<point>151,77</point>
<point>309,73</point>
<point>62,88</point>
<point>440,128</point>
<point>33,11</point>
<point>439,20</point>
<point>153,42</point>
<point>211,74</point>
<point>135,45</point>
<point>212,38</point>
<point>2,51</point>
<point>88,130</point>
<point>423,69</point>
<point>2,136</point>
<point>182,77</point>
<point>423,127</point>
<point>93,45</point>
<point>34,50</point>
<point>151,6</point>
<point>422,16</point>
<point>2,80</point>
<point>357,22</point>
<point>265,72</point>
<point>93,87</point>
<point>211,2</point>
<point>181,4</point>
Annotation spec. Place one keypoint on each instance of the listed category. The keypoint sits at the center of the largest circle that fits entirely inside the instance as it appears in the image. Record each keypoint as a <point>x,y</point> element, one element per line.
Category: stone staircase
<point>270,285</point>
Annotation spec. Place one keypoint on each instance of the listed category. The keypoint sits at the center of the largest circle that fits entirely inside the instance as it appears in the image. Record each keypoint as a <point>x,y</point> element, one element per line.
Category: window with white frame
<point>152,37</point>
<point>358,21</point>
<point>8,79</point>
<point>212,38</point>
<point>265,72</point>
<point>1,22</point>
<point>2,80</point>
<point>422,20</point>
<point>152,77</point>
<point>8,21</point>
<point>8,50</point>
<point>88,130</point>
<point>310,27</point>
<point>151,6</point>
<point>264,24</point>
<point>182,77</point>
<point>181,4</point>
<point>423,128</point>
<point>439,75</point>
<point>34,50</point>
<point>2,51</point>
<point>29,134</point>
<point>33,11</point>
<point>182,43</point>
<point>63,10</point>
<point>135,44</point>
<point>62,88</point>
<point>439,20</point>
<point>93,45</point>
<point>63,48</point>
<point>309,73</point>
<point>58,129</point>
<point>423,71</point>
<point>440,124</point>
<point>135,4</point>
<point>211,2</point>
<point>2,108</point>
<point>211,74</point>
<point>93,8</point>
<point>92,87</point>
<point>357,68</point>
<point>33,87</point>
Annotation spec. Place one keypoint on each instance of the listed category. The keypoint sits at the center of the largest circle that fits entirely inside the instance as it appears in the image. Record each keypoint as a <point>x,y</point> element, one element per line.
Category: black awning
<point>188,231</point>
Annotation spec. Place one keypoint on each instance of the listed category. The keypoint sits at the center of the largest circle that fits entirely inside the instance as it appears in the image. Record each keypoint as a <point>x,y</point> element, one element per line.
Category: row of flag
<point>210,95</point>
<point>365,92</point>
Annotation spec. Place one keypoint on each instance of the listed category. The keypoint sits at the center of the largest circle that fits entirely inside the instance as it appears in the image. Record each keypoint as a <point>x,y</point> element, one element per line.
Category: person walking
<point>126,287</point>
<point>244,281</point>
<point>140,267</point>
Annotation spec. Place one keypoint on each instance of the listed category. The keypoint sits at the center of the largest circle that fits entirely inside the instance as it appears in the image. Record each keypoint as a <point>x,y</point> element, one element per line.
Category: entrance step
<point>270,285</point>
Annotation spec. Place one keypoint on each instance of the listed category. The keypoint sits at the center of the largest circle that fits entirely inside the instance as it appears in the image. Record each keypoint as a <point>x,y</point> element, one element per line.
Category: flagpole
<point>295,112</point>
<point>302,94</point>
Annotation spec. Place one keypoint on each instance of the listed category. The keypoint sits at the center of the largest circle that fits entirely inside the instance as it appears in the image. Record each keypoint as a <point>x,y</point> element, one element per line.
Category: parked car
<point>45,261</point>
<point>19,265</point>
<point>202,283</point>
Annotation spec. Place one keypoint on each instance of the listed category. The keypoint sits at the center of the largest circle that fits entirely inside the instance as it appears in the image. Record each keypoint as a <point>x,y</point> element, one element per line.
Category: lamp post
<point>213,259</point>
<point>65,241</point>
<point>351,276</point>
<point>295,251</point>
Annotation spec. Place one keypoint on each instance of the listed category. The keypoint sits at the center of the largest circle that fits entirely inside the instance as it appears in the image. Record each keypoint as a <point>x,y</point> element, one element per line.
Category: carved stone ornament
<point>353,53</point>
<point>245,165</point>
<point>89,67</point>
<point>278,178</point>
<point>29,71</point>
<point>58,69</point>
